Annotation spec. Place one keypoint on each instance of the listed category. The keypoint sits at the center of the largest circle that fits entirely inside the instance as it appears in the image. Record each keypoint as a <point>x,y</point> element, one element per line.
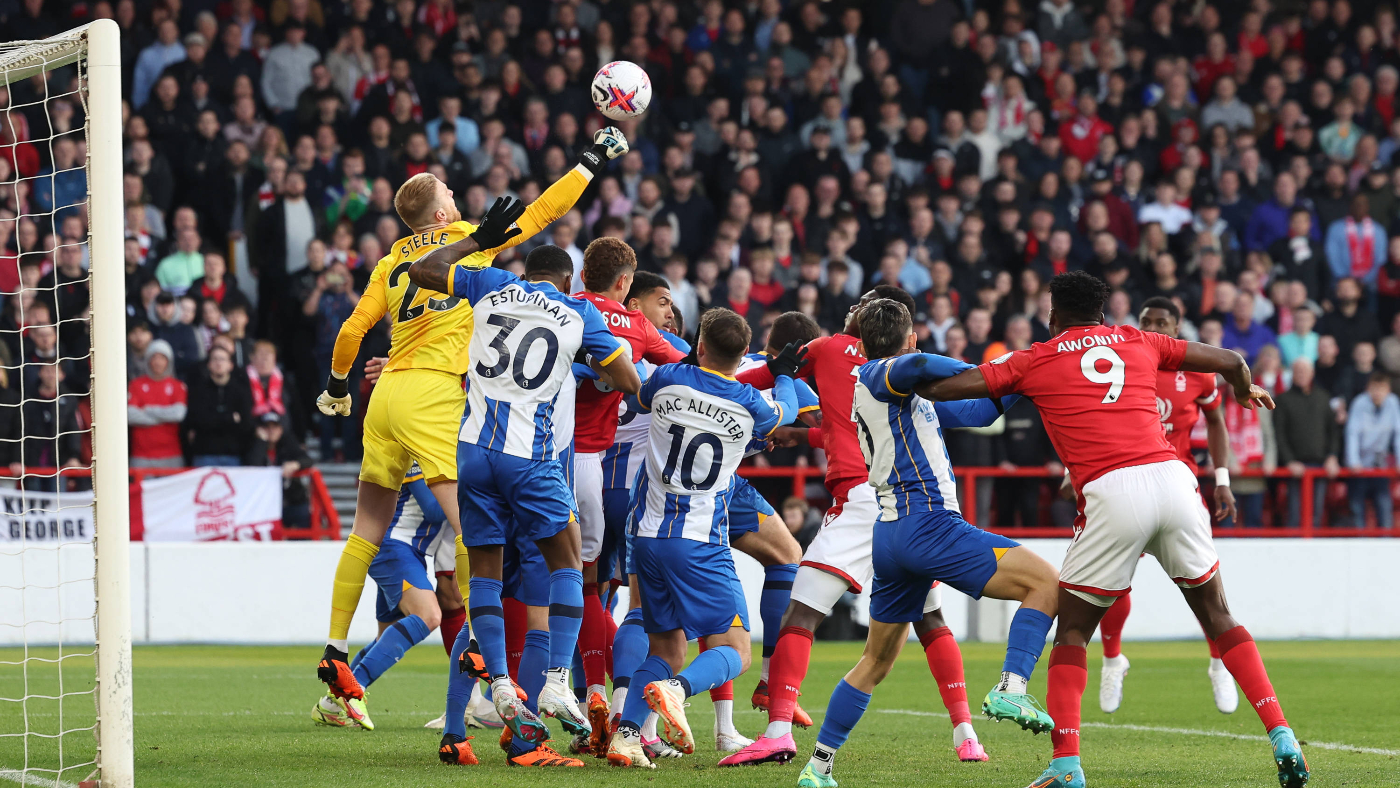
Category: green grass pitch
<point>240,716</point>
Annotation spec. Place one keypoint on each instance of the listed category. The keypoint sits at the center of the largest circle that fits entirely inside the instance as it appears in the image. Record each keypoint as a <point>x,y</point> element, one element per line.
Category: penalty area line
<point>1323,745</point>
<point>14,775</point>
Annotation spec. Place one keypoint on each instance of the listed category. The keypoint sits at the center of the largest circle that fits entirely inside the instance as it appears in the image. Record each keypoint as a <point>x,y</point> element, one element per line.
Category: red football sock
<point>610,624</point>
<point>1069,675</point>
<point>591,643</point>
<point>945,662</point>
<point>1111,627</point>
<point>724,691</point>
<point>1214,649</point>
<point>1241,656</point>
<point>786,670</point>
<point>517,624</point>
<point>452,622</point>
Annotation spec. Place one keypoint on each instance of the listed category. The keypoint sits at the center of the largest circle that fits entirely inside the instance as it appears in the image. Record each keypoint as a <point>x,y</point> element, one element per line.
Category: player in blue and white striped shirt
<point>921,537</point>
<point>702,421</point>
<point>524,340</point>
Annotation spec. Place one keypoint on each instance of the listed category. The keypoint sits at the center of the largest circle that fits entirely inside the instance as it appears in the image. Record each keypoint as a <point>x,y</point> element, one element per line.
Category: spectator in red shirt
<point>155,406</point>
<point>766,289</point>
<point>1081,136</point>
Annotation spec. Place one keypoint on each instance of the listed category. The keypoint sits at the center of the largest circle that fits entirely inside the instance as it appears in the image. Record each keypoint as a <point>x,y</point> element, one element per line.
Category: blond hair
<point>416,200</point>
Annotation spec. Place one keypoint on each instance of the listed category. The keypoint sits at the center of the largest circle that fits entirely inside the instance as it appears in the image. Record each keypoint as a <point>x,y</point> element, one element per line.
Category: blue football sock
<point>489,624</point>
<point>709,670</point>
<point>777,592</point>
<point>359,655</point>
<point>843,711</point>
<point>532,666</point>
<point>630,646</point>
<point>1025,641</point>
<point>579,678</point>
<point>635,710</point>
<point>459,687</point>
<point>565,615</point>
<point>401,636</point>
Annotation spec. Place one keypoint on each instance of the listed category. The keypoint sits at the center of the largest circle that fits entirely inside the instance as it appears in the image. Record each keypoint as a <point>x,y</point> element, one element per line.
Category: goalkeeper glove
<point>608,143</point>
<point>495,228</point>
<point>335,400</point>
<point>789,361</point>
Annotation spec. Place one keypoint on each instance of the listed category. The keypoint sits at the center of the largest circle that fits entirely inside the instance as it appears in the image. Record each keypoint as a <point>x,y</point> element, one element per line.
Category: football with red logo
<point>621,90</point>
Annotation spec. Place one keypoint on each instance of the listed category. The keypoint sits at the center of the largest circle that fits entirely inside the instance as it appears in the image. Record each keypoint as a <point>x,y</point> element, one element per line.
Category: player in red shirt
<point>840,557</point>
<point>1181,398</point>
<point>608,266</point>
<point>1096,389</point>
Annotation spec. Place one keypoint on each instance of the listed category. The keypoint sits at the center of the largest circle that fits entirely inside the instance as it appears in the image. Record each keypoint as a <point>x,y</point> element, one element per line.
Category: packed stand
<point>1239,160</point>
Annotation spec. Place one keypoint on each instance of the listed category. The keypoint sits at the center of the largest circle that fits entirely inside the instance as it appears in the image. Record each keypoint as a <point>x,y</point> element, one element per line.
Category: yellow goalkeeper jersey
<point>431,330</point>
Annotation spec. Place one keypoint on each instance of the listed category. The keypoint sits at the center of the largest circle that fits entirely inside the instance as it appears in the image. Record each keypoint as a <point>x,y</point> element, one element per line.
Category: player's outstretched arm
<point>434,270</point>
<point>968,384</point>
<point>621,374</point>
<point>973,412</point>
<point>785,397</point>
<point>1230,365</point>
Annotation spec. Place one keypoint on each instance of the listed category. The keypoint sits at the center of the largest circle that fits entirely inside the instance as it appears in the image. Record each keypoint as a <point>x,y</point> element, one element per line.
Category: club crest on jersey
<point>1180,381</point>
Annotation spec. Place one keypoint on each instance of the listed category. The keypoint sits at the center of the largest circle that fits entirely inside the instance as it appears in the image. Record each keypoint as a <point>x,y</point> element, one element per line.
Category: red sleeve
<point>814,438</point>
<point>182,391</point>
<point>658,350</point>
<point>759,377</point>
<point>1209,398</point>
<point>1003,375</point>
<point>1170,351</point>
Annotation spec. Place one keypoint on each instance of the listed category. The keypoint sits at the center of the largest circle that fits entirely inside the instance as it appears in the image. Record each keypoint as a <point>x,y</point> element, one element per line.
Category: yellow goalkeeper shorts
<point>414,414</point>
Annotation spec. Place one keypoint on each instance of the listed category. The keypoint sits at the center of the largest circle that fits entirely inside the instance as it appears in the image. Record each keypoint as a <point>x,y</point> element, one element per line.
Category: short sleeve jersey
<point>1181,397</point>
<point>902,443</point>
<point>523,344</point>
<point>1096,389</point>
<point>597,403</point>
<point>835,363</point>
<point>701,422</point>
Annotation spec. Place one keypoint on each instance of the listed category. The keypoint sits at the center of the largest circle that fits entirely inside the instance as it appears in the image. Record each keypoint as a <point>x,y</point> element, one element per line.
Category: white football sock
<point>823,758</point>
<point>1012,683</point>
<point>724,716</point>
<point>763,671</point>
<point>777,730</point>
<point>649,727</point>
<point>962,732</point>
<point>619,697</point>
<point>1217,665</point>
<point>339,645</point>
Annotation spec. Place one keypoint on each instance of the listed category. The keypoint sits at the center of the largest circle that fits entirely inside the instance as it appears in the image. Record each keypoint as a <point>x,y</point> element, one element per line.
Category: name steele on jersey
<point>724,419</point>
<point>518,295</point>
<point>413,243</point>
<point>1084,343</point>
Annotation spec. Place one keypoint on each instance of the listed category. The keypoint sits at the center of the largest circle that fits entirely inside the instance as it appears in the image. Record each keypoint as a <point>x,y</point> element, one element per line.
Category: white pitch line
<point>1322,745</point>
<point>14,775</point>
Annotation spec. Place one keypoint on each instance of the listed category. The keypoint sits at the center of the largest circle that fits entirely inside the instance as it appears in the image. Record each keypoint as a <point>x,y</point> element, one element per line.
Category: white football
<point>621,90</point>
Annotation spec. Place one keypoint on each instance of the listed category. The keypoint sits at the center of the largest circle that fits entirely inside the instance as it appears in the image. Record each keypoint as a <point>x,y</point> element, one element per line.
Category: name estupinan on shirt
<point>519,295</point>
<point>1084,343</point>
<point>720,416</point>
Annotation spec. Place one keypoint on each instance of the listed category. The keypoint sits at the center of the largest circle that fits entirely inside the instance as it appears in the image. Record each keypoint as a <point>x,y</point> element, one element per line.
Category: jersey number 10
<point>687,464</point>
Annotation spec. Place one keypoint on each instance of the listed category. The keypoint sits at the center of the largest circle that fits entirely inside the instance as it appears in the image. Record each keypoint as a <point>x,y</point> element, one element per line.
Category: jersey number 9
<point>1088,364</point>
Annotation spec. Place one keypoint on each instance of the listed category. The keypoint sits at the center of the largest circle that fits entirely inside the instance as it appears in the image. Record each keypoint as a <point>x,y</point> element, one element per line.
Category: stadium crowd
<point>1242,160</point>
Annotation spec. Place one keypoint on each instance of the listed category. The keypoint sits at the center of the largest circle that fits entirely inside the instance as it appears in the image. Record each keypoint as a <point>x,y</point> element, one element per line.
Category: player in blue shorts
<point>702,420</point>
<point>921,538</point>
<point>406,604</point>
<point>524,340</point>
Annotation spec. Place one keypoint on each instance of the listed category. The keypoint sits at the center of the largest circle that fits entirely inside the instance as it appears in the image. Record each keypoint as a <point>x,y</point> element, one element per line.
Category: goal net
<point>65,622</point>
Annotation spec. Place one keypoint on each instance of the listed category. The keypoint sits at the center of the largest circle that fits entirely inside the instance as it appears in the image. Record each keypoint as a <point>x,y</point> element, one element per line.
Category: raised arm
<point>785,397</point>
<point>1231,365</point>
<point>434,270</point>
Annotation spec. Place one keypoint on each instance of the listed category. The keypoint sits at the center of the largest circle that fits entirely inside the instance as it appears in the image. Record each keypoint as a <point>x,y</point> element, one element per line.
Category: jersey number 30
<point>1088,364</point>
<point>522,351</point>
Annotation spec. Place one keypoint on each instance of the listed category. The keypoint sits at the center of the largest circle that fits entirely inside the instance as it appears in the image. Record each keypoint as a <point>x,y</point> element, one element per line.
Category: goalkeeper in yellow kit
<point>418,402</point>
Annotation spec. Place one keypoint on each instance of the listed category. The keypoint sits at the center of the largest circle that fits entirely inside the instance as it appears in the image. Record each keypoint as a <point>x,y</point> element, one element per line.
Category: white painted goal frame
<point>98,45</point>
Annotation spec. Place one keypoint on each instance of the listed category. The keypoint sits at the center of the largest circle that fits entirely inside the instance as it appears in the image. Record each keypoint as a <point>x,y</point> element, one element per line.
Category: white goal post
<point>96,49</point>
